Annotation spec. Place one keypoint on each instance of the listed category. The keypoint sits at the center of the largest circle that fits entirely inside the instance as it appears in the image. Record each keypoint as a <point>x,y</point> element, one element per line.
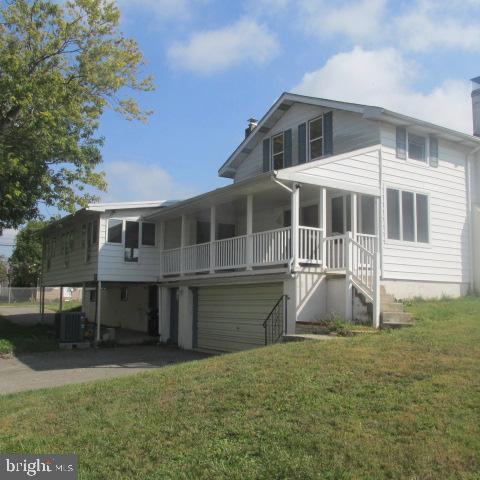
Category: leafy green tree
<point>26,259</point>
<point>61,65</point>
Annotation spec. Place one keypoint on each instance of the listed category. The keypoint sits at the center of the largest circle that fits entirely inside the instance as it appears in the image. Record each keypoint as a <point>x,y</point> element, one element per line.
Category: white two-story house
<point>331,206</point>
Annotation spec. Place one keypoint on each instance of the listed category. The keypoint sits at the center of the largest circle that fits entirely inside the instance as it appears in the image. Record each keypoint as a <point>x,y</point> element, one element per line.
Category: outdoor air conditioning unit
<point>69,326</point>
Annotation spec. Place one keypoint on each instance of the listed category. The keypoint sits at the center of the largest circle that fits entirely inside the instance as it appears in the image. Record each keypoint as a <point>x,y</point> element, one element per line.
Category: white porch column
<point>348,278</point>
<point>249,231</point>
<point>183,241</point>
<point>323,223</point>
<point>213,236</point>
<point>353,215</point>
<point>98,308</point>
<point>161,244</point>
<point>376,265</point>
<point>295,223</point>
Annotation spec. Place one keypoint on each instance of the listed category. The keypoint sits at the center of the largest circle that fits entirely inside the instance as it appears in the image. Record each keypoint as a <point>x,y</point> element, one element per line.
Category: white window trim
<point>280,134</point>
<point>400,241</point>
<point>310,140</point>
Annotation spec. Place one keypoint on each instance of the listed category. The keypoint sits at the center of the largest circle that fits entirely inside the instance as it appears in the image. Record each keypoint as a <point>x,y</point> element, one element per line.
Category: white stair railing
<point>367,241</point>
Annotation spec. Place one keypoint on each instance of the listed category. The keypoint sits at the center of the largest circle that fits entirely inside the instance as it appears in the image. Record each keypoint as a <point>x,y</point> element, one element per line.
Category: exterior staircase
<point>392,313</point>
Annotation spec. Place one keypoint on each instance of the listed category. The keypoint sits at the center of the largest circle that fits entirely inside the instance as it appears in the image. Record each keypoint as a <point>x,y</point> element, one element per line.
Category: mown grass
<point>397,405</point>
<point>16,339</point>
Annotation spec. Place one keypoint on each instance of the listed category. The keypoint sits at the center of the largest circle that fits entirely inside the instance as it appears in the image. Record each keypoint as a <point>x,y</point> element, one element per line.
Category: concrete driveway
<point>52,369</point>
<point>26,315</point>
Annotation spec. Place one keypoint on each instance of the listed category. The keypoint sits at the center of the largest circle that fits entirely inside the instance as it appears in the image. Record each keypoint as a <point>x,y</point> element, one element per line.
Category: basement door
<point>230,318</point>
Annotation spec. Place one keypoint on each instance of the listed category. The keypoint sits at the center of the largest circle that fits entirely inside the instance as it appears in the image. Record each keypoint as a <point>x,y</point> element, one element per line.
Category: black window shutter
<point>328,133</point>
<point>433,151</point>
<point>402,143</point>
<point>287,147</point>
<point>302,143</point>
<point>266,155</point>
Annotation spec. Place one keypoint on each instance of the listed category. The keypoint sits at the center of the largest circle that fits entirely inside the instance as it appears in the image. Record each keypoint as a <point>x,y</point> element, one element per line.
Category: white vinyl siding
<point>112,265</point>
<point>446,257</point>
<point>67,257</point>
<point>350,132</point>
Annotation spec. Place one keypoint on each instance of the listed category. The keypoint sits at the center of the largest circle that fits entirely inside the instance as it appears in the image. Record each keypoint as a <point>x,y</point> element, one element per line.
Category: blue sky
<point>217,63</point>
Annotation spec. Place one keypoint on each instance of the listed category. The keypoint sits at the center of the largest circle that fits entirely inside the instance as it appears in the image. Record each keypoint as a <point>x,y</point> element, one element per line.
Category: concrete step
<point>394,324</point>
<point>309,328</point>
<point>391,307</point>
<point>396,317</point>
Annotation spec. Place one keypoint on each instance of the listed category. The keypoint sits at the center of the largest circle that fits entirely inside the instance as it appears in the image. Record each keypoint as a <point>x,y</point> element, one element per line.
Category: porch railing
<point>170,261</point>
<point>272,247</point>
<point>196,258</point>
<point>310,241</point>
<point>230,253</point>
<point>335,252</point>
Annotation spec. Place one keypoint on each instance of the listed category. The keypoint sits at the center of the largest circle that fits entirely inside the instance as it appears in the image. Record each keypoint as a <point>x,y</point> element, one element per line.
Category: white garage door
<point>230,318</point>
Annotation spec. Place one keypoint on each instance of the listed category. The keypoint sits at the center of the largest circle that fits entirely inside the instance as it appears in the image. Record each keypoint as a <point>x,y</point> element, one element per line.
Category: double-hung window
<point>277,151</point>
<point>417,147</point>
<point>407,216</point>
<point>315,132</point>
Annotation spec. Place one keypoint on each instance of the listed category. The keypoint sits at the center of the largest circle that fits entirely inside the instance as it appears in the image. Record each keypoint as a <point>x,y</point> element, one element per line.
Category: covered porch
<point>272,225</point>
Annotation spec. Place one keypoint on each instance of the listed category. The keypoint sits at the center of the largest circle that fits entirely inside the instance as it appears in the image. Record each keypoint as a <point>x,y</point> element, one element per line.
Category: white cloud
<point>439,25</point>
<point>210,51</point>
<point>133,181</point>
<point>385,78</point>
<point>358,19</point>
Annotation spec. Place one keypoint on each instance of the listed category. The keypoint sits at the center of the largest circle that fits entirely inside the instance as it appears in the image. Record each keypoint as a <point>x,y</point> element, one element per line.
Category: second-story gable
<point>297,133</point>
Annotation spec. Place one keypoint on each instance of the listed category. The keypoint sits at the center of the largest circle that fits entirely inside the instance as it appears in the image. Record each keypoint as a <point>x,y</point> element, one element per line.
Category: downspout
<point>469,158</point>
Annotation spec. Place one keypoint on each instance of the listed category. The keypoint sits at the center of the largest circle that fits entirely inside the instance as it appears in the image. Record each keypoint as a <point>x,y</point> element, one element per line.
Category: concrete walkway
<point>52,369</point>
<point>26,315</point>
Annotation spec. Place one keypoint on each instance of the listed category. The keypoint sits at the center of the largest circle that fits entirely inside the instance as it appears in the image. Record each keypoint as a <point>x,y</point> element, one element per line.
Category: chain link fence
<point>31,295</point>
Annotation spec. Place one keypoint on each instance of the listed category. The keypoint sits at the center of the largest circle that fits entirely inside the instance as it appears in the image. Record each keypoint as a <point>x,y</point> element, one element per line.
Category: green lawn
<point>22,339</point>
<point>399,405</point>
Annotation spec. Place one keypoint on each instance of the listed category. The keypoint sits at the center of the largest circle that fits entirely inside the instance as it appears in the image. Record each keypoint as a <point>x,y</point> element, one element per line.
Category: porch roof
<point>266,181</point>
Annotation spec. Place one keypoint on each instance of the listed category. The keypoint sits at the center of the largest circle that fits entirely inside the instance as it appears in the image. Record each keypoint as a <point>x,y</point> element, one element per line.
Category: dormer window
<point>316,137</point>
<point>277,152</point>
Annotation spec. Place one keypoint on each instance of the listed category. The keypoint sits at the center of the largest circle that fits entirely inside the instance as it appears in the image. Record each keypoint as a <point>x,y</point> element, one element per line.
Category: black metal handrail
<point>276,320</point>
